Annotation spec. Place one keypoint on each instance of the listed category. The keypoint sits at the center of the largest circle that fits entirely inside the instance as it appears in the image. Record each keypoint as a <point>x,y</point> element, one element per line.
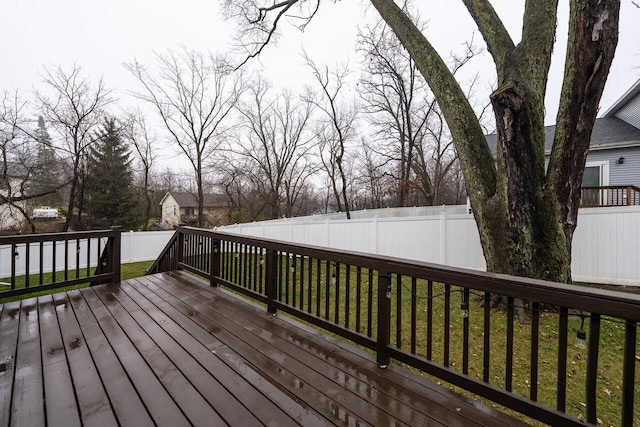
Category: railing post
<point>271,280</point>
<point>215,262</point>
<point>384,318</point>
<point>14,255</point>
<point>180,248</point>
<point>116,253</point>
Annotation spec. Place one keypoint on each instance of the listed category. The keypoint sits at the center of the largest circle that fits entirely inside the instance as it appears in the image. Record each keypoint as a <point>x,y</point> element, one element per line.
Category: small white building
<point>182,207</point>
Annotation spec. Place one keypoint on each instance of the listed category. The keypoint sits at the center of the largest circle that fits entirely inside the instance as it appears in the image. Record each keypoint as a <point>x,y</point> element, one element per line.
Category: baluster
<point>561,389</point>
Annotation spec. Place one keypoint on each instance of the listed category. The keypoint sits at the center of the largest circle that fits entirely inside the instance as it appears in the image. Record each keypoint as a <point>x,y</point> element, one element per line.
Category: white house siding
<point>170,210</point>
<point>627,173</point>
<point>10,217</point>
<point>630,113</point>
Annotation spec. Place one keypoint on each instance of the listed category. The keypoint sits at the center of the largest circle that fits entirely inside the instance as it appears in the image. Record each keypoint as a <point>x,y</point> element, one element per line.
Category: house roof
<point>187,200</point>
<point>608,132</point>
<point>623,100</point>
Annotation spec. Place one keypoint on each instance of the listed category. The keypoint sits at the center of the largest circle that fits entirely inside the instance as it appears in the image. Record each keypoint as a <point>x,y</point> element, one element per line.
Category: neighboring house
<point>612,171</point>
<point>10,217</point>
<point>182,207</point>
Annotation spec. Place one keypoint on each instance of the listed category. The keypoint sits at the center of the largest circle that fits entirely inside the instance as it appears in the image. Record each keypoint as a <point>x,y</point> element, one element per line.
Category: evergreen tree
<point>112,197</point>
<point>46,170</point>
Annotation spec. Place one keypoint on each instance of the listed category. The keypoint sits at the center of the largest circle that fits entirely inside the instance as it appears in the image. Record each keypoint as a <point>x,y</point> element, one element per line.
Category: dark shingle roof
<point>186,200</point>
<point>606,131</point>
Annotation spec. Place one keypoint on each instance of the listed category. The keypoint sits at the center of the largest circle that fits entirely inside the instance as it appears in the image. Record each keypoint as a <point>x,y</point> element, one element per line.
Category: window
<point>596,174</point>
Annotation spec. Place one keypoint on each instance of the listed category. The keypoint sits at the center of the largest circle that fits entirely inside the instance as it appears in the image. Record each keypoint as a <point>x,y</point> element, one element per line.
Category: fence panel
<point>606,246</point>
<point>136,247</point>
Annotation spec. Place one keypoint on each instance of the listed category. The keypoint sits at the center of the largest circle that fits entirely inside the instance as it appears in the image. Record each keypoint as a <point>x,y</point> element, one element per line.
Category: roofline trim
<point>611,146</point>
<point>630,93</point>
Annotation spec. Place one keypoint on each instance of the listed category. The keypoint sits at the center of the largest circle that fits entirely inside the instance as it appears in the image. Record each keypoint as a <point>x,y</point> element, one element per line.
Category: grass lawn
<point>409,300</point>
<point>414,302</point>
<point>128,271</point>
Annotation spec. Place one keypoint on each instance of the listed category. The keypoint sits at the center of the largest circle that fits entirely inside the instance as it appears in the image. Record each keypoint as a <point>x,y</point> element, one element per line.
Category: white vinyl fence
<point>143,245</point>
<point>605,246</point>
<point>136,246</point>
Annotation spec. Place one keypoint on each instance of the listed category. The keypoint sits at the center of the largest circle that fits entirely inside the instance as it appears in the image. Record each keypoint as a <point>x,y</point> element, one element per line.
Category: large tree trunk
<point>72,197</point>
<point>519,227</point>
<point>525,217</point>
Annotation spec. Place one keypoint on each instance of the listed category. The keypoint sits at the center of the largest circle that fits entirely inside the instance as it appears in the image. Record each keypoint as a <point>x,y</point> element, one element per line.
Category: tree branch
<point>477,161</point>
<point>498,40</point>
<point>590,51</point>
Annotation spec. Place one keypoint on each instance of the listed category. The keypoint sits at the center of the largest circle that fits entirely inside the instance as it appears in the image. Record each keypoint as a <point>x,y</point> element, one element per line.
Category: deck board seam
<point>219,350</point>
<point>400,380</point>
<point>287,368</point>
<point>239,342</point>
<point>300,358</point>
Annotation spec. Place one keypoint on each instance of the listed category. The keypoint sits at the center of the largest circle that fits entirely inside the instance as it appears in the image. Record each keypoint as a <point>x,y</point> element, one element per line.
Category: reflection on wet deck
<point>167,350</point>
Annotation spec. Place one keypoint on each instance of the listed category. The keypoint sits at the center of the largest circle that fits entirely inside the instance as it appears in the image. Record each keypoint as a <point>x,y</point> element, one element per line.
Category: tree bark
<point>525,217</point>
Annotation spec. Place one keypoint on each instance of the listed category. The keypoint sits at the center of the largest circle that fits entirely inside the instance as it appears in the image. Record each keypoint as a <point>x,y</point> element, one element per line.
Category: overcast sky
<point>101,36</point>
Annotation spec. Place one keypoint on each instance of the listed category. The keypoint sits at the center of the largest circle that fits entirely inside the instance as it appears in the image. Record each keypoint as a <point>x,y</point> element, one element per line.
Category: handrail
<point>41,262</point>
<point>610,195</point>
<point>385,304</point>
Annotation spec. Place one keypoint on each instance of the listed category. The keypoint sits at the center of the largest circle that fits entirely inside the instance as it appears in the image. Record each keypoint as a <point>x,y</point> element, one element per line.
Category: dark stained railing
<point>613,195</point>
<point>39,262</point>
<point>443,321</point>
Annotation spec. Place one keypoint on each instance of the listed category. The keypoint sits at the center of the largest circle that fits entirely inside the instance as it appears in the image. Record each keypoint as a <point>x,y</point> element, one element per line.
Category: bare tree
<point>372,179</point>
<point>277,145</point>
<point>194,94</point>
<point>235,182</point>
<point>526,214</point>
<point>13,173</point>
<point>435,162</point>
<point>136,131</point>
<point>395,100</point>
<point>335,128</point>
<point>74,107</point>
<point>409,128</point>
<point>18,165</point>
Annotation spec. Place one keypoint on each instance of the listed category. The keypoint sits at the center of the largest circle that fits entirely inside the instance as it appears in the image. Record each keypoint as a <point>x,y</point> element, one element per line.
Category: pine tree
<point>112,197</point>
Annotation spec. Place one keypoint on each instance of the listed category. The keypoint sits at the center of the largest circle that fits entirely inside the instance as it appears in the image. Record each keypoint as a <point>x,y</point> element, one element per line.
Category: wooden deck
<point>168,350</point>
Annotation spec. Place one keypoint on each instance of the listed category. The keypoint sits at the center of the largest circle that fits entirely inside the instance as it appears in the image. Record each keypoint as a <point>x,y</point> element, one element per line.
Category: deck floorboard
<point>168,350</point>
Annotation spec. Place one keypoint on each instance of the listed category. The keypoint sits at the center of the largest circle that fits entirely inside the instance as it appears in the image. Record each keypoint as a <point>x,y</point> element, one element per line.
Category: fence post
<point>443,238</point>
<point>384,317</point>
<point>215,263</point>
<point>271,280</point>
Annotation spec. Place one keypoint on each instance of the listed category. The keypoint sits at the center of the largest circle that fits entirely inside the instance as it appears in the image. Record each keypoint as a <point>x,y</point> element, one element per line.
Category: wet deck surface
<point>166,350</point>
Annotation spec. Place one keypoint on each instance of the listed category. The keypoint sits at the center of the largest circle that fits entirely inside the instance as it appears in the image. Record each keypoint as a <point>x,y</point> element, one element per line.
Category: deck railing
<point>39,262</point>
<point>579,346</point>
<point>613,195</point>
